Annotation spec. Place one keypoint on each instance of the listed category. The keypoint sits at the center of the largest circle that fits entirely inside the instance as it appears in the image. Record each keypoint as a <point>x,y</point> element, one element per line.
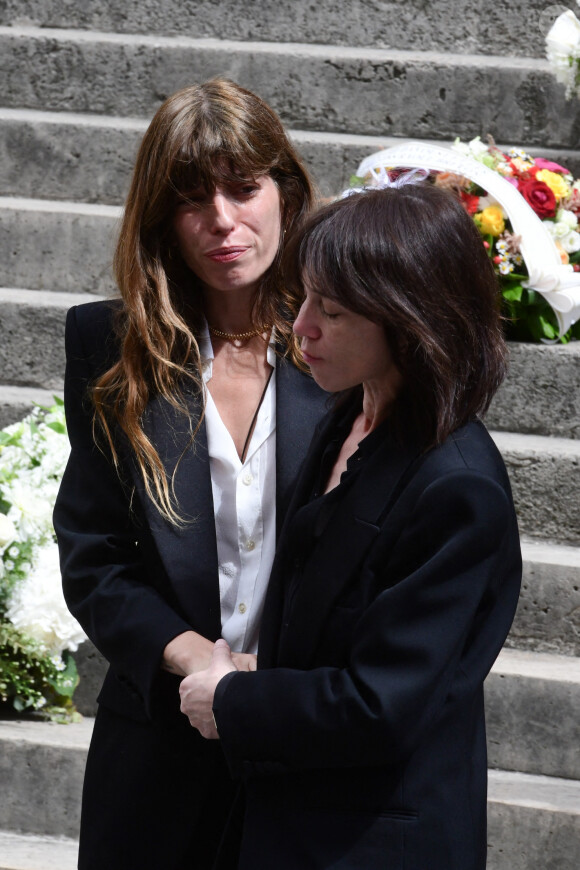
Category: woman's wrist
<point>187,653</point>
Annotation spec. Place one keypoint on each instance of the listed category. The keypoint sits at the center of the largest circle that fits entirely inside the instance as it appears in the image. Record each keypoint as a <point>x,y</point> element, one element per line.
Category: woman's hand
<point>245,661</point>
<point>197,690</point>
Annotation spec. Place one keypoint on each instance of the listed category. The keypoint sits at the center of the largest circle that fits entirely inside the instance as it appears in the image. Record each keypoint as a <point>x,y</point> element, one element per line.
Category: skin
<point>229,238</point>
<point>343,349</point>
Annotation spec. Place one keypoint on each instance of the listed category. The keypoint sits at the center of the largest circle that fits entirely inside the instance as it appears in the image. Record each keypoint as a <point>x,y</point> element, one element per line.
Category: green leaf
<point>549,331</point>
<point>57,427</point>
<point>513,294</point>
<point>66,681</point>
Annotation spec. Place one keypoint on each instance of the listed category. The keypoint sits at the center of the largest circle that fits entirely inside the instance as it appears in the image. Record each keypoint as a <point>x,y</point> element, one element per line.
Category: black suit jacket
<point>361,737</point>
<point>133,580</point>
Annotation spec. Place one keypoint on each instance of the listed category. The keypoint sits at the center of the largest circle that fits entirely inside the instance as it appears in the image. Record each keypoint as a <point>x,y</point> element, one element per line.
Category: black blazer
<point>362,737</point>
<point>131,579</point>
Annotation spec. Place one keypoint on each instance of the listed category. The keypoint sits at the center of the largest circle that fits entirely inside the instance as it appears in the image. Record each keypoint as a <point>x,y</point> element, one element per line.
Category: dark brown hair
<point>201,136</point>
<point>411,259</point>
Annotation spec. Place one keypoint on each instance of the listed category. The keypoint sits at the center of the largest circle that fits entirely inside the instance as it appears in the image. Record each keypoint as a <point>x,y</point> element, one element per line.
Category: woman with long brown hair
<point>188,417</point>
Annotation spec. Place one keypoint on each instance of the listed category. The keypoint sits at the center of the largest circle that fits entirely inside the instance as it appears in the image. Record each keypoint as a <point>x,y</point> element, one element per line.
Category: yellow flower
<point>490,221</point>
<point>554,181</point>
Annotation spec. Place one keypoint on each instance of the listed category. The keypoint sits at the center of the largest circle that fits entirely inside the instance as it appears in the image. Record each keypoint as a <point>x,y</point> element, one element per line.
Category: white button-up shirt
<point>244,499</point>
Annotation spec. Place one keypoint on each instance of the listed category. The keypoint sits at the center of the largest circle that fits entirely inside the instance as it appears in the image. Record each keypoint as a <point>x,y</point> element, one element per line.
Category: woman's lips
<point>225,255</point>
<point>308,359</point>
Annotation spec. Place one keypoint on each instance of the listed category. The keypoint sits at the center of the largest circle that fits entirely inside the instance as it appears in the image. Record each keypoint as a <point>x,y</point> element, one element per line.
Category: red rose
<point>470,202</point>
<point>539,196</point>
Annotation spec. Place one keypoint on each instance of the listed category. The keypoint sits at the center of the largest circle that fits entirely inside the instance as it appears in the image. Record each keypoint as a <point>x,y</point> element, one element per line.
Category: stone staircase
<point>79,83</point>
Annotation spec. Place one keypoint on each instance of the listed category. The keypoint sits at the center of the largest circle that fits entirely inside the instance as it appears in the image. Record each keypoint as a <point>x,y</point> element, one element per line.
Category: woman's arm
<point>101,545</point>
<point>449,590</point>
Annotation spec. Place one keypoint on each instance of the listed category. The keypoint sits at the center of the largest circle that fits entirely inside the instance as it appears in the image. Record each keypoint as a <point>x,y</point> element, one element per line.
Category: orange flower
<point>563,254</point>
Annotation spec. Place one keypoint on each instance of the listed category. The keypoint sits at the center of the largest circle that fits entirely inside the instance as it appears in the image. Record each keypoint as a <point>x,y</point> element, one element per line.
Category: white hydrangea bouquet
<point>37,633</point>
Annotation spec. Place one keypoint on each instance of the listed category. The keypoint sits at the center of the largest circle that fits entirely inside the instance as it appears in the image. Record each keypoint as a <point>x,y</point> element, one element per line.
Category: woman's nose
<point>305,325</point>
<point>221,212</point>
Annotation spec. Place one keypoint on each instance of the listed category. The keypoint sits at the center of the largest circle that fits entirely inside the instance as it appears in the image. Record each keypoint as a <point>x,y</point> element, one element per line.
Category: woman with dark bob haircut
<point>361,737</point>
<point>188,411</point>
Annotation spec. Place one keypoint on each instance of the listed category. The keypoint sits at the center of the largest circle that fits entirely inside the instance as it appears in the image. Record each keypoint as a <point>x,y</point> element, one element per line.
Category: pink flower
<point>547,164</point>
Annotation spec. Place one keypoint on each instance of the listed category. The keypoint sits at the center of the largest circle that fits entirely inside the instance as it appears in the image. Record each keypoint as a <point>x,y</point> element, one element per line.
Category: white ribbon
<point>559,284</point>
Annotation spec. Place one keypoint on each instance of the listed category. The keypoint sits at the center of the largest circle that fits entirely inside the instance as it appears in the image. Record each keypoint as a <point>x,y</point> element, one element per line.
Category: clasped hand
<point>197,690</point>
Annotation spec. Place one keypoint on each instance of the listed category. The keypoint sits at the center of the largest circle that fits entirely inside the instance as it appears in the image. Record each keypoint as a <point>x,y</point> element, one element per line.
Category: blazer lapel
<point>300,403</point>
<point>271,620</point>
<point>189,552</point>
<point>343,546</point>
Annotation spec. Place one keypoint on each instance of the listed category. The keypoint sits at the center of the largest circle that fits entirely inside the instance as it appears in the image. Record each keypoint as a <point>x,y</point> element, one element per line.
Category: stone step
<point>414,24</point>
<point>89,158</point>
<point>17,402</point>
<point>329,88</point>
<point>541,394</point>
<point>32,338</point>
<point>533,822</point>
<point>545,478</point>
<point>532,702</point>
<point>63,246</point>
<point>41,769</point>
<point>29,852</point>
<point>548,615</point>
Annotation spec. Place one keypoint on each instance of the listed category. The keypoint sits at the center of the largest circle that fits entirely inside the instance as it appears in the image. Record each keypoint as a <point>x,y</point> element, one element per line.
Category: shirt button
<point>247,479</point>
<point>242,607</point>
<point>250,545</point>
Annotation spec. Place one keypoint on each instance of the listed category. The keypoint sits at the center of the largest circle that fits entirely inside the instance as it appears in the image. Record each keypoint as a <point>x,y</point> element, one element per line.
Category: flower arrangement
<point>552,194</point>
<point>37,633</point>
<point>563,51</point>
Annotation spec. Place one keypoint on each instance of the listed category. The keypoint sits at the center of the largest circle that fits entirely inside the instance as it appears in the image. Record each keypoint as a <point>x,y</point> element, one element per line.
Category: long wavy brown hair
<point>203,135</point>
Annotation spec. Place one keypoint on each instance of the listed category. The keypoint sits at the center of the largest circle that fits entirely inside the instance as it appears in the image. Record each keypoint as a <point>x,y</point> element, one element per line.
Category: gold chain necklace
<point>236,336</point>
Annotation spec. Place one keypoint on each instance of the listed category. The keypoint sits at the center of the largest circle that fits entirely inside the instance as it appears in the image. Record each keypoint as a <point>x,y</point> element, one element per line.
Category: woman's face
<point>229,237</point>
<point>344,349</point>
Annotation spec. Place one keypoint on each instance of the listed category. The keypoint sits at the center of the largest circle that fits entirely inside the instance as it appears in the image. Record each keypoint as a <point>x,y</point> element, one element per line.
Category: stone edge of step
<point>249,47</point>
<point>52,298</point>
<point>516,442</point>
<point>534,791</point>
<point>514,662</point>
<point>33,851</point>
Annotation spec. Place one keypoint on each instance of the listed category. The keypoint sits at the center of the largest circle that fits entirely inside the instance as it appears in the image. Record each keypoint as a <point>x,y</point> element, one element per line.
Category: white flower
<point>475,148</point>
<point>571,242</point>
<point>505,267</point>
<point>557,229</point>
<point>563,216</point>
<point>58,662</point>
<point>7,530</point>
<point>563,51</point>
<point>31,507</point>
<point>37,606</point>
